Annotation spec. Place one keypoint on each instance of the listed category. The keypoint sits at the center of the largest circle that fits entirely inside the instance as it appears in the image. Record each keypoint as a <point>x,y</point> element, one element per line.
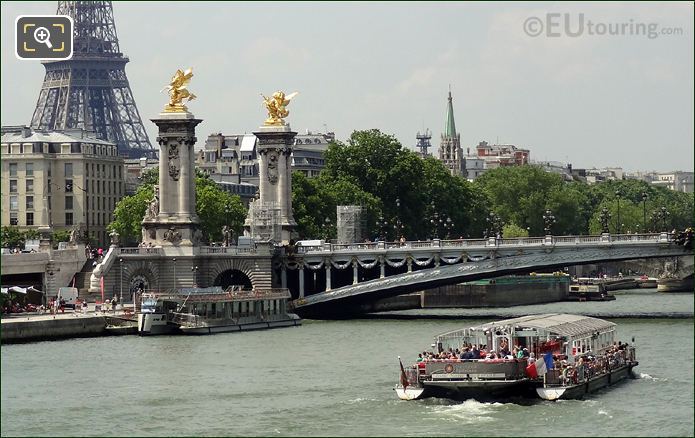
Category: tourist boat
<point>561,342</point>
<point>214,310</point>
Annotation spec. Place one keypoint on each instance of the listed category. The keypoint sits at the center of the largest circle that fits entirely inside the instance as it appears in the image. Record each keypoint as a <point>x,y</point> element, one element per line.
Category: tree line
<point>401,194</point>
<point>397,187</point>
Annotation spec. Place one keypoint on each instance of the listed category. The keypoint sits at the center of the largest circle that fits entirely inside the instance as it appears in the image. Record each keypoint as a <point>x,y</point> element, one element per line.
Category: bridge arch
<point>237,271</point>
<point>137,274</point>
<point>232,277</point>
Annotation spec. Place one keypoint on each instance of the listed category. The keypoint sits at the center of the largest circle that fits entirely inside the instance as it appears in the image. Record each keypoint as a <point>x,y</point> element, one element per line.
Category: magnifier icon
<point>43,36</point>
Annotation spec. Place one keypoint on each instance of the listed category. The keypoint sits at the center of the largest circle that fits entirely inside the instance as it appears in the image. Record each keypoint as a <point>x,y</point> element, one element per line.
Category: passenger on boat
<point>475,353</point>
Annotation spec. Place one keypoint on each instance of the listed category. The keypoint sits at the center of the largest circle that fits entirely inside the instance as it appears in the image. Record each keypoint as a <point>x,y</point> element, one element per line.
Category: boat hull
<point>410,393</point>
<point>481,390</point>
<point>155,324</point>
<point>580,390</point>
<point>227,328</point>
<point>674,285</point>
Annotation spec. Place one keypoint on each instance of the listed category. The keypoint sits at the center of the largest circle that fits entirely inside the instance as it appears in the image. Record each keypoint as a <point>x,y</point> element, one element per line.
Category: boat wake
<point>359,400</point>
<point>646,376</point>
<point>602,412</point>
<point>468,412</point>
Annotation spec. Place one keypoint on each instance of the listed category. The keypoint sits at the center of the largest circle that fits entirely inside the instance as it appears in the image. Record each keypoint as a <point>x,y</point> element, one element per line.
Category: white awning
<point>18,289</point>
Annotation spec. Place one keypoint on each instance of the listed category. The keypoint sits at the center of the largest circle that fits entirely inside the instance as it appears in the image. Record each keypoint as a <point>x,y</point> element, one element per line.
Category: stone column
<point>382,267</point>
<point>328,275</point>
<point>410,264</point>
<point>355,270</point>
<point>175,222</point>
<point>301,281</point>
<point>274,150</point>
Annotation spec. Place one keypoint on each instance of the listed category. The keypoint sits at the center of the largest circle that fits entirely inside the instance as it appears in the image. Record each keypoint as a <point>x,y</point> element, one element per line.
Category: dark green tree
<point>405,185</point>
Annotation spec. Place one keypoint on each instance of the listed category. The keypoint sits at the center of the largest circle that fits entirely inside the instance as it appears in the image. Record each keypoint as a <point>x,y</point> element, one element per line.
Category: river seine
<point>332,378</point>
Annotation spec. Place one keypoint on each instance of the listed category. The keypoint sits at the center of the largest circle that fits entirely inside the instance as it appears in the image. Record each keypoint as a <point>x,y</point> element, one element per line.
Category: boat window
<point>220,310</point>
<point>235,308</point>
<point>250,304</point>
<point>213,309</point>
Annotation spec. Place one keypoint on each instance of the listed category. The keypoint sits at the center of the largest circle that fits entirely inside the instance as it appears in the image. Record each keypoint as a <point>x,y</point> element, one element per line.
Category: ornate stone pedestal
<point>171,218</point>
<point>274,149</point>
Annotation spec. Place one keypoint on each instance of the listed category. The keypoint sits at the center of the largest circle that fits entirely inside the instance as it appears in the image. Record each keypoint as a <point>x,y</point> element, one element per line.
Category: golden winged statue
<point>277,107</point>
<point>178,91</point>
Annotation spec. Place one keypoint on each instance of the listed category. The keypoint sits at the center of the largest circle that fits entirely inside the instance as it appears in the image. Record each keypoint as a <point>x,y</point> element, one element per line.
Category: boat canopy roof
<point>561,324</point>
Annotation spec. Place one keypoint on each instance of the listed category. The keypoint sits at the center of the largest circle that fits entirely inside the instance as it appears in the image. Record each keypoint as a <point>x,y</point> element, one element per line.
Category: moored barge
<point>198,311</point>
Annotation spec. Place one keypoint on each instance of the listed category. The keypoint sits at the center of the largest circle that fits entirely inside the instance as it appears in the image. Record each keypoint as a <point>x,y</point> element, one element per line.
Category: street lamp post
<point>399,225</point>
<point>174,260</point>
<point>327,228</point>
<point>84,207</point>
<point>604,217</point>
<point>194,269</point>
<point>617,224</point>
<point>644,212</point>
<point>120,265</point>
<point>549,220</point>
<point>227,213</point>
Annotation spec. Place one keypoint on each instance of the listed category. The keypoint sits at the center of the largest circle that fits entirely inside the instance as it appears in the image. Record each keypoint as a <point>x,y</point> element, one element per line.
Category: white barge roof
<point>562,324</point>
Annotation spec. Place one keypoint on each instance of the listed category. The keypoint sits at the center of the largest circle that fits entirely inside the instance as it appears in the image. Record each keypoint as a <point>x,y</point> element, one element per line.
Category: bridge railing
<point>140,251</point>
<point>522,241</point>
<point>226,250</point>
<point>635,238</point>
<point>459,243</point>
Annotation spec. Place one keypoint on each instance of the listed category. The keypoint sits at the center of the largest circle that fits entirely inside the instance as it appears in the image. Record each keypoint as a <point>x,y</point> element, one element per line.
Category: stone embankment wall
<point>47,328</point>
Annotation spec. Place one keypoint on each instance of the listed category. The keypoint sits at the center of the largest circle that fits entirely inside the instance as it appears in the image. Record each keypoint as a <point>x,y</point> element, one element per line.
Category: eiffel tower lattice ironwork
<point>91,90</point>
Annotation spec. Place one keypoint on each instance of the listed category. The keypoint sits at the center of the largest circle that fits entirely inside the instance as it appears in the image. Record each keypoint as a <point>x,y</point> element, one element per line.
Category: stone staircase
<point>82,281</point>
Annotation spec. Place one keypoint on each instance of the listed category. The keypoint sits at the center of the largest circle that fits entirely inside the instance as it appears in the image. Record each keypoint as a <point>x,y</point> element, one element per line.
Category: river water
<point>331,378</point>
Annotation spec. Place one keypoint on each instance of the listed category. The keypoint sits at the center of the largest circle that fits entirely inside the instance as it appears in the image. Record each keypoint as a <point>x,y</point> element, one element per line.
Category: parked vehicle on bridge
<point>214,310</point>
<point>550,356</point>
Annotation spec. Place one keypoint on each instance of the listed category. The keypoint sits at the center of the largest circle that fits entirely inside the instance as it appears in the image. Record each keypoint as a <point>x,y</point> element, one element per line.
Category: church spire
<point>450,127</point>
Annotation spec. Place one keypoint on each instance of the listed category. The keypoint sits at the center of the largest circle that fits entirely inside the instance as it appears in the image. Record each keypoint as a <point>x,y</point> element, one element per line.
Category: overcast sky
<point>592,100</point>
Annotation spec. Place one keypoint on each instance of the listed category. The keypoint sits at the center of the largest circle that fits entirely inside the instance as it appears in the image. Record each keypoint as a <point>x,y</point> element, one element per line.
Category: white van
<point>69,294</point>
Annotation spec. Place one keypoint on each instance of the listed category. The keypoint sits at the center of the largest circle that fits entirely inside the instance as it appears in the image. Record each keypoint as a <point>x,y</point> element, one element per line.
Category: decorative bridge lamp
<point>382,224</point>
<point>549,220</point>
<point>604,217</point>
<point>644,212</point>
<point>448,227</point>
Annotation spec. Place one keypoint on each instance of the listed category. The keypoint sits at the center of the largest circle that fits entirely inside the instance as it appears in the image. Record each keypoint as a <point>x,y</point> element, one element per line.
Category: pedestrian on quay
<point>84,307</point>
<point>114,301</point>
<point>62,305</point>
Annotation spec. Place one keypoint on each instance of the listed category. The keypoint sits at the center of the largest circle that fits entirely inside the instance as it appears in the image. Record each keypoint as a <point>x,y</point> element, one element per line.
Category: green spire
<point>450,128</point>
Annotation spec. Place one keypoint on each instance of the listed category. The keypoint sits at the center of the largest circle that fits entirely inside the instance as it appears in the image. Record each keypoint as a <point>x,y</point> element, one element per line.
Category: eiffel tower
<point>91,90</point>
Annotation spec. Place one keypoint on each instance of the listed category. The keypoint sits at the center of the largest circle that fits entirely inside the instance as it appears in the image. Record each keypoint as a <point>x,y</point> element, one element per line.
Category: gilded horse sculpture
<point>178,91</point>
<point>277,108</point>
